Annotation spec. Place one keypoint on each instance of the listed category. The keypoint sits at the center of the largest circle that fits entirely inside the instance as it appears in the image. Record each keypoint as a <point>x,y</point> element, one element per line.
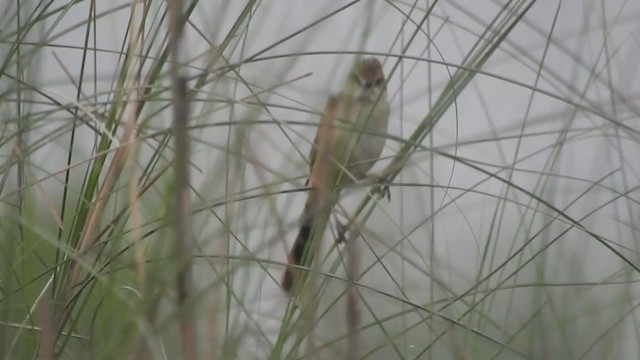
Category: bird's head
<point>367,80</point>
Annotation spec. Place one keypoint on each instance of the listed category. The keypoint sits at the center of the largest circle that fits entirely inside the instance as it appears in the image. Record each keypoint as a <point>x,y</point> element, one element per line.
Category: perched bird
<point>348,142</point>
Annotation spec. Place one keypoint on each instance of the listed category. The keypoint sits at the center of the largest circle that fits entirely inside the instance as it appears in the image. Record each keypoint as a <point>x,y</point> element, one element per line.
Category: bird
<point>349,140</point>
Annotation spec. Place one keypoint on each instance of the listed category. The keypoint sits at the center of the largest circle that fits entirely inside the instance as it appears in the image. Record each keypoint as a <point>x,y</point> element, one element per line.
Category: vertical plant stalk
<point>44,318</point>
<point>90,228</point>
<point>183,244</point>
<point>137,44</point>
<point>143,350</point>
<point>353,308</point>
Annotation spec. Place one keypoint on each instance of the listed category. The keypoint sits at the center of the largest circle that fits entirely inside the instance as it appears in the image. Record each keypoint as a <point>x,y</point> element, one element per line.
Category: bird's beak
<point>367,84</point>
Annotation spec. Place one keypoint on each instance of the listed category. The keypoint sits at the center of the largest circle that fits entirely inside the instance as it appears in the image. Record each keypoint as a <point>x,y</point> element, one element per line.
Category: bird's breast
<point>363,131</point>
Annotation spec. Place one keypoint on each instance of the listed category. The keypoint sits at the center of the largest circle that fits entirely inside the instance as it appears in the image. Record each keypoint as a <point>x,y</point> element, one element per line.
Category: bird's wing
<point>324,137</point>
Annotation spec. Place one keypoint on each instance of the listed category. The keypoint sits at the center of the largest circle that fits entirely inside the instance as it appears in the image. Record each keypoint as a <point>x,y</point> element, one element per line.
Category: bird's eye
<point>379,82</point>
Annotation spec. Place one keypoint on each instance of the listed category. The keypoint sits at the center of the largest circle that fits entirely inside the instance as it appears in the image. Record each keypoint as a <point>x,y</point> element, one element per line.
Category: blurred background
<point>512,229</point>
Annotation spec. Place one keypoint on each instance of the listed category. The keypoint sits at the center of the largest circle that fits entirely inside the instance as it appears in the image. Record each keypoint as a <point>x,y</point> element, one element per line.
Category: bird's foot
<point>382,188</point>
<point>341,230</point>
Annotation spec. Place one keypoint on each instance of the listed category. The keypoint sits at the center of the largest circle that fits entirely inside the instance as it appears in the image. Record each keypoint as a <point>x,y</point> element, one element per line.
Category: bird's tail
<point>301,249</point>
